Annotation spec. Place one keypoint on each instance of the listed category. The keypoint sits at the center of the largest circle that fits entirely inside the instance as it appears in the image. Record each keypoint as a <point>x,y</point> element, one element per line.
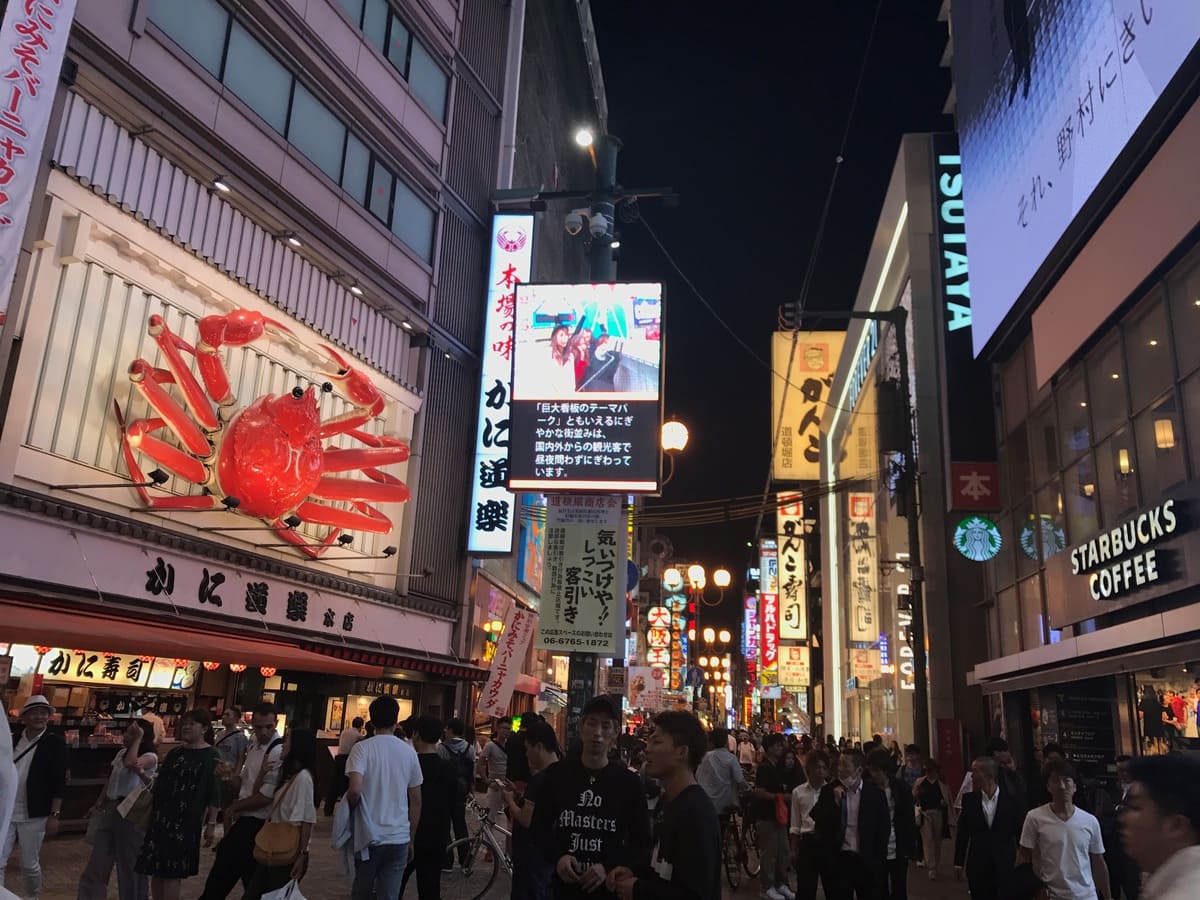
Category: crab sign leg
<point>147,383</point>
<point>235,329</point>
<point>356,458</point>
<point>366,519</point>
<point>301,544</point>
<point>135,436</point>
<point>379,491</point>
<point>368,402</point>
<point>173,347</point>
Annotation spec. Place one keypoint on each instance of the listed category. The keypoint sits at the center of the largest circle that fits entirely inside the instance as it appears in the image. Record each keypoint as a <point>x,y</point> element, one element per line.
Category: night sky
<point>741,109</point>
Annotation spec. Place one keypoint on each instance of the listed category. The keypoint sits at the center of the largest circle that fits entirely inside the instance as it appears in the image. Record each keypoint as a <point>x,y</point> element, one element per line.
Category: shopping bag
<point>290,891</point>
<point>781,810</point>
<point>135,808</point>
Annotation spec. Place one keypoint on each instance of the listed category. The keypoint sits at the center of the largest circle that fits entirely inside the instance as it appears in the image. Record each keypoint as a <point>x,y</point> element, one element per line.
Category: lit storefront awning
<point>436,668</point>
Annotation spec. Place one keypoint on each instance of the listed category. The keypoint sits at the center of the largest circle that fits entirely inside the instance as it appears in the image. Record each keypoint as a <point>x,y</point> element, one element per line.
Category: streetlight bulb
<point>674,436</point>
<point>672,579</point>
<point>695,574</point>
<point>710,635</point>
<point>724,636</point>
<point>584,137</point>
<point>722,578</point>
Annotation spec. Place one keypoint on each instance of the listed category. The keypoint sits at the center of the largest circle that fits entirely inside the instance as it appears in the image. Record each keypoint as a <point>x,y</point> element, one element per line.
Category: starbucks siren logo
<point>977,538</point>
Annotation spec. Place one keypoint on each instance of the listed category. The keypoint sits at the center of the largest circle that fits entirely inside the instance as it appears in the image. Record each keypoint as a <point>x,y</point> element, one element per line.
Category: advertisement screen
<point>586,399</point>
<point>1049,94</point>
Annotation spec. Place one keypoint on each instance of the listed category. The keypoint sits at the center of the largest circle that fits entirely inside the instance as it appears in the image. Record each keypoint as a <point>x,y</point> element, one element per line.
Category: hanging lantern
<point>210,666</point>
<point>42,649</point>
<point>146,659</point>
<point>181,663</point>
<point>266,671</point>
<point>237,667</point>
<point>80,652</point>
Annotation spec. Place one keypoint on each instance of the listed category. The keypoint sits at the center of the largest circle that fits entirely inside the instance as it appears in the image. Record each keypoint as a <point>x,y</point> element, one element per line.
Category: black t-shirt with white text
<point>685,863</point>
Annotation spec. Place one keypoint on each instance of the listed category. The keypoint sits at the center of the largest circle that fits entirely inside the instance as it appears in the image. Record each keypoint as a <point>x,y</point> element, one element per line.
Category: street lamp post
<point>674,439</point>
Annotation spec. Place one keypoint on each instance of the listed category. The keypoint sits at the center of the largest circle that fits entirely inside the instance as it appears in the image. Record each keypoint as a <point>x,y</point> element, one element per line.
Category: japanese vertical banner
<point>519,626</point>
<point>583,588</point>
<point>801,398</point>
<point>864,570</point>
<point>793,568</point>
<point>794,666</point>
<point>33,40</point>
<point>492,506</point>
<point>768,619</point>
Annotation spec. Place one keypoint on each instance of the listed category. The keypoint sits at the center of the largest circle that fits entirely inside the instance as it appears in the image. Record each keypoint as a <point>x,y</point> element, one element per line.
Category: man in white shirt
<point>719,773</point>
<point>247,814</point>
<point>1160,825</point>
<point>1063,842</point>
<point>346,741</point>
<point>806,848</point>
<point>385,791</point>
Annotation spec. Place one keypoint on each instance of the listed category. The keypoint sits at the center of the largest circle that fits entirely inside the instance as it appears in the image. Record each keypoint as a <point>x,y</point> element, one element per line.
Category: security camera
<point>574,221</point>
<point>598,225</point>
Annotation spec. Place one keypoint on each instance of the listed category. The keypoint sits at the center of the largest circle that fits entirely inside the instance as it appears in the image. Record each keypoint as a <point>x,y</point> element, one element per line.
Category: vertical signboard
<point>583,597</point>
<point>750,629</point>
<point>864,570</point>
<point>794,666</point>
<point>497,692</point>
<point>492,506</point>
<point>768,613</point>
<point>814,358</point>
<point>793,568</point>
<point>33,40</point>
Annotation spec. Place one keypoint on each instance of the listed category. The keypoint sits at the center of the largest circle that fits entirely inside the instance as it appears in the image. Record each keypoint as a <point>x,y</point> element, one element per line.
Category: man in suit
<point>988,829</point>
<point>852,823</point>
<point>902,824</point>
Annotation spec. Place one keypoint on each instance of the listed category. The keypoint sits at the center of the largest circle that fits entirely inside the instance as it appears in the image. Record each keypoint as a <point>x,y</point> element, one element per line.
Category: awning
<point>25,624</point>
<point>432,665</point>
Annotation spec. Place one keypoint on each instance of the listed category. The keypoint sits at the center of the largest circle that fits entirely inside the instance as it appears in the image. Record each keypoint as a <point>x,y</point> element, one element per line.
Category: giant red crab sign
<point>269,454</point>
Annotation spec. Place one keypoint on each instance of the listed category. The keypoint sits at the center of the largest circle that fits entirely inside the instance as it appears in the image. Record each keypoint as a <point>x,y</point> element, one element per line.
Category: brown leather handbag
<point>277,843</point>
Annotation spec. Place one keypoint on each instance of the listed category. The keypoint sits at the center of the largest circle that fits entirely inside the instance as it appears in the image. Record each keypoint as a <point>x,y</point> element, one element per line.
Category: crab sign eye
<point>298,392</point>
<point>327,387</point>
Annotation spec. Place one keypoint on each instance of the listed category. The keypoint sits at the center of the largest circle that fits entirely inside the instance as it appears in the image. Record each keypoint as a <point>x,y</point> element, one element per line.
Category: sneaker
<point>786,891</point>
<point>772,894</point>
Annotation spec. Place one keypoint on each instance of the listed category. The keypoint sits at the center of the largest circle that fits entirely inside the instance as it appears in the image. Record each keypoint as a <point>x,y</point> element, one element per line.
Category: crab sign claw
<point>235,329</point>
<point>358,389</point>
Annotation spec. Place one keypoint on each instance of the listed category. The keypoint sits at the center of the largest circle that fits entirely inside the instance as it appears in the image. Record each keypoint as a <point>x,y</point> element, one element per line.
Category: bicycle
<point>475,861</point>
<point>749,854</point>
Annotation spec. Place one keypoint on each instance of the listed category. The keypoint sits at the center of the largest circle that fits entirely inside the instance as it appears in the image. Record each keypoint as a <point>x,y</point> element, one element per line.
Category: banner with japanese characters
<point>802,398</point>
<point>645,688</point>
<point>768,612</point>
<point>33,41</point>
<point>104,668</point>
<point>493,508</point>
<point>793,568</point>
<point>583,596</point>
<point>794,667</point>
<point>864,570</point>
<point>519,626</point>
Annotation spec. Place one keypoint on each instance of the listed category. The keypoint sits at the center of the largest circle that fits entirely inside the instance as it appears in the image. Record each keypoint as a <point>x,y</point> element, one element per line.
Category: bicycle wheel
<point>471,879</point>
<point>731,853</point>
<point>750,860</point>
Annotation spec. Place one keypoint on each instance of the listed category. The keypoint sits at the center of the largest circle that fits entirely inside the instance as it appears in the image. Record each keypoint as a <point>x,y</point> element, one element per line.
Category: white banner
<point>646,688</point>
<point>492,506</point>
<point>33,40</point>
<point>519,626</point>
<point>794,666</point>
<point>793,569</point>
<point>864,570</point>
<point>583,597</point>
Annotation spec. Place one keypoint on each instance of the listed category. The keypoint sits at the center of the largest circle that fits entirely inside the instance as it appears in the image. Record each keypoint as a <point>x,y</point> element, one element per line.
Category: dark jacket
<point>988,854</point>
<point>873,825</point>
<point>47,772</point>
<point>685,863</point>
<point>904,820</point>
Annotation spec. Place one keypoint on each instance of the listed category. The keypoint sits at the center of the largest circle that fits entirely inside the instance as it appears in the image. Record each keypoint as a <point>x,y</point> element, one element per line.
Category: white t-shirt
<point>296,804</point>
<point>389,767</point>
<point>1062,850</point>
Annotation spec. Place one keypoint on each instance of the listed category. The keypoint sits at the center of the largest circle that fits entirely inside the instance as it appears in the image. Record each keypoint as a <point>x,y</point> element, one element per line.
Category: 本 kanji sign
<point>519,626</point>
<point>493,508</point>
<point>974,485</point>
<point>33,40</point>
<point>864,570</point>
<point>793,572</point>
<point>583,597</point>
<point>814,358</point>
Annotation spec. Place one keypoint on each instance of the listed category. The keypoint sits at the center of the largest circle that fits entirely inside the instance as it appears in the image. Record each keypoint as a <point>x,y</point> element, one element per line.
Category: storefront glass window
<point>1009,621</point>
<point>993,623</point>
<point>1043,444</point>
<point>1032,619</point>
<point>1079,499</point>
<point>1014,392</point>
<point>1016,455</point>
<point>1002,566</point>
<point>1183,290</point>
<point>1191,418</point>
<point>1075,423</point>
<point>1168,702</point>
<point>1025,548</point>
<point>1160,448</point>
<point>1052,521</point>
<point>1148,351</point>
<point>1117,464</point>
<point>1106,386</point>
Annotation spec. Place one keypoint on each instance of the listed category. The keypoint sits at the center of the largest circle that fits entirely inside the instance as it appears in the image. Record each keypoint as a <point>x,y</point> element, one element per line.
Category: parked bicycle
<point>739,847</point>
<point>473,862</point>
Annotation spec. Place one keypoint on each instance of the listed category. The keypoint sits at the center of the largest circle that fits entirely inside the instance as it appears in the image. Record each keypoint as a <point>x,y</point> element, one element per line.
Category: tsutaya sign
<point>1121,560</point>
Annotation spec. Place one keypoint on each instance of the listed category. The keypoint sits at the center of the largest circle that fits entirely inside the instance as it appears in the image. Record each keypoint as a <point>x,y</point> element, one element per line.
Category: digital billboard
<point>1048,95</point>
<point>586,388</point>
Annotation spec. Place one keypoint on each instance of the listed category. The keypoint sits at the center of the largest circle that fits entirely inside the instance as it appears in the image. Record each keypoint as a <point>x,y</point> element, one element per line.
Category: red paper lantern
<point>146,659</point>
<point>237,667</point>
<point>181,663</point>
<point>80,652</point>
<point>42,649</point>
<point>211,666</point>
<point>266,671</point>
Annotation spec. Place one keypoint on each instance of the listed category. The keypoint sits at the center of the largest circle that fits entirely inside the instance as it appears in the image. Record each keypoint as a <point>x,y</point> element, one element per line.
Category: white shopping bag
<point>290,891</point>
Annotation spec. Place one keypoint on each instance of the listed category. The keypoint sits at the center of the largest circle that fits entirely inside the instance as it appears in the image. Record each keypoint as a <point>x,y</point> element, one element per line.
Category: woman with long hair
<point>295,805</point>
<point>115,839</point>
<point>186,795</point>
<point>560,337</point>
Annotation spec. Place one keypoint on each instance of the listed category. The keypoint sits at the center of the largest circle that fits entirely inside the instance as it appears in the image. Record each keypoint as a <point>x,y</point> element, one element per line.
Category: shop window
<point>1014,391</point>
<point>1160,448</point>
<point>412,220</point>
<point>1079,499</point>
<point>198,27</point>
<point>1009,621</point>
<point>1074,420</point>
<point>1029,596</point>
<point>1025,530</point>
<point>1183,290</point>
<point>1117,463</point>
<point>257,78</point>
<point>1109,404</point>
<point>1043,444</point>
<point>1148,351</point>
<point>380,199</point>
<point>427,80</point>
<point>1003,571</point>
<point>1018,468</point>
<point>356,169</point>
<point>1052,520</point>
<point>316,132</point>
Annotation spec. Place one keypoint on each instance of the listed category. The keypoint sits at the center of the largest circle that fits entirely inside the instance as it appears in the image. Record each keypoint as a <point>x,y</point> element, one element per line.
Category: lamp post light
<point>673,439</point>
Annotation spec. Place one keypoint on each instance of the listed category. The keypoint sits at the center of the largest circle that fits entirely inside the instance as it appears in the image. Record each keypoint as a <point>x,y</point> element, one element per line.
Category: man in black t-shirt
<point>438,791</point>
<point>532,873</point>
<point>769,785</point>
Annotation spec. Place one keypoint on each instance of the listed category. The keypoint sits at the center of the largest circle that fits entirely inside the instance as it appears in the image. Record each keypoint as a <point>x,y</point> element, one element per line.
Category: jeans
<point>382,873</point>
<point>773,852</point>
<point>235,859</point>
<point>116,844</point>
<point>28,836</point>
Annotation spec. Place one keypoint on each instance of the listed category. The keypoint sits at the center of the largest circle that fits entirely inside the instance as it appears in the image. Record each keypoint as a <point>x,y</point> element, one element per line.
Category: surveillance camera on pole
<point>574,221</point>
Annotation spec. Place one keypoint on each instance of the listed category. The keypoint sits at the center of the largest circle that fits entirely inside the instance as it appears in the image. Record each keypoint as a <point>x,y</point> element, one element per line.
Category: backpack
<point>464,770</point>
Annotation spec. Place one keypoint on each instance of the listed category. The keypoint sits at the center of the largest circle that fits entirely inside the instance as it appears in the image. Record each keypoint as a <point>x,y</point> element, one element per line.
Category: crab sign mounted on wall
<point>269,454</point>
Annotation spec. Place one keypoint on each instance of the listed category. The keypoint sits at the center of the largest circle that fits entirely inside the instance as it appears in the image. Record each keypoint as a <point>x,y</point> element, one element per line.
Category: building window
<point>1014,391</point>
<point>257,78</point>
<point>1002,566</point>
<point>412,220</point>
<point>1032,618</point>
<point>356,169</point>
<point>380,200</point>
<point>1106,386</point>
<point>1052,520</point>
<point>1075,424</point>
<point>1160,448</point>
<point>1183,291</point>
<point>1026,549</point>
<point>1079,499</point>
<point>428,81</point>
<point>1043,443</point>
<point>1117,464</point>
<point>317,133</point>
<point>1019,470</point>
<point>1007,612</point>
<point>1148,351</point>
<point>199,27</point>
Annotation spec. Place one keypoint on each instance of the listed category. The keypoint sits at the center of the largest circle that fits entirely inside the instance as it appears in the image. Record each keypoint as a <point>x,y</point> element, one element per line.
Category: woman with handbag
<point>115,838</point>
<point>186,794</point>
<point>281,846</point>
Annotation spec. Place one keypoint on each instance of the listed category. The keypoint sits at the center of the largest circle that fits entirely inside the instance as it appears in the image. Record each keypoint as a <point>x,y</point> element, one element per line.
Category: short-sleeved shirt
<point>768,778</point>
<point>1062,851</point>
<point>296,804</point>
<point>231,745</point>
<point>258,757</point>
<point>122,780</point>
<point>496,760</point>
<point>389,767</point>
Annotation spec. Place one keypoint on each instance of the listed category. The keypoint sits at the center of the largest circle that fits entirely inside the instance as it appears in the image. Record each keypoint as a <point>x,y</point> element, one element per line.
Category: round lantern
<point>210,666</point>
<point>42,649</point>
<point>181,663</point>
<point>266,671</point>
<point>237,667</point>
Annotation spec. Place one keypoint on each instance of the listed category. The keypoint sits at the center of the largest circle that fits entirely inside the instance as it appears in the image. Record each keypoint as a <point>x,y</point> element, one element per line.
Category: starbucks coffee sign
<point>1124,559</point>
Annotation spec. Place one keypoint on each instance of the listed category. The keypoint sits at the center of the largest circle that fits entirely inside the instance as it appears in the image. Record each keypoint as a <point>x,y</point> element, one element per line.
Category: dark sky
<point>741,108</point>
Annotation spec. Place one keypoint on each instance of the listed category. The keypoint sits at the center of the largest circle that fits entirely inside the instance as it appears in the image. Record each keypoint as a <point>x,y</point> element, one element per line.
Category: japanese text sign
<point>864,570</point>
<point>497,692</point>
<point>586,407</point>
<point>768,671</point>
<point>101,668</point>
<point>793,568</point>
<point>864,665</point>
<point>794,670</point>
<point>33,41</point>
<point>583,597</point>
<point>814,358</point>
<point>750,629</point>
<point>646,688</point>
<point>975,485</point>
<point>492,506</point>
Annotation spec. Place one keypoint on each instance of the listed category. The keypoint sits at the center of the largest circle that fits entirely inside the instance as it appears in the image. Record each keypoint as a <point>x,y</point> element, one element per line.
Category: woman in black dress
<point>186,794</point>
